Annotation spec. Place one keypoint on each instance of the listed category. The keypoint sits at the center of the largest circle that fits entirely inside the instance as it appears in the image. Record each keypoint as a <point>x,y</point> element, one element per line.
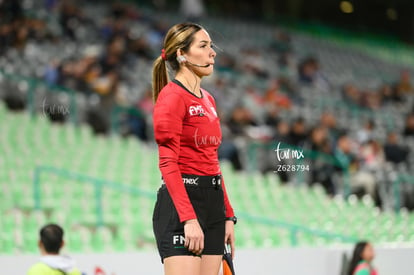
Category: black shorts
<point>208,201</point>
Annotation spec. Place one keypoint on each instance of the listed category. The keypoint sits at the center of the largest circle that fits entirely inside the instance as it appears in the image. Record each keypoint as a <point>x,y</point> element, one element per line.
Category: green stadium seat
<point>119,245</point>
<point>101,240</point>
<point>71,201</point>
<point>30,239</point>
<point>74,243</point>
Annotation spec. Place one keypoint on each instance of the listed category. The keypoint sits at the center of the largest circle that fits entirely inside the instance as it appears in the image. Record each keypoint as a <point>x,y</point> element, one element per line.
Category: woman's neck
<point>190,80</point>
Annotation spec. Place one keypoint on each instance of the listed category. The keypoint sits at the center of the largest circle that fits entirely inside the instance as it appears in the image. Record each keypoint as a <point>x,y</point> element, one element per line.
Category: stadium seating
<point>102,190</point>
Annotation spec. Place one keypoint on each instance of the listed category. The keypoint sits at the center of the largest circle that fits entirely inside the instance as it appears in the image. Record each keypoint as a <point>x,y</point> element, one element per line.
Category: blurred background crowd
<point>352,113</point>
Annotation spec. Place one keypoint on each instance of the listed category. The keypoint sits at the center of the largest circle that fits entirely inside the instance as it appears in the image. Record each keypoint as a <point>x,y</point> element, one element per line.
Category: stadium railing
<point>100,184</point>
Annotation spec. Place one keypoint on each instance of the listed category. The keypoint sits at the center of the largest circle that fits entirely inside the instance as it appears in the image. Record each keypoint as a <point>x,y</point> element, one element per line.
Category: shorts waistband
<point>201,181</point>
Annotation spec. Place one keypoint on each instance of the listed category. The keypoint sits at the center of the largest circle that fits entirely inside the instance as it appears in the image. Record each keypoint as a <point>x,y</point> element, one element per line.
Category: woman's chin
<point>206,72</point>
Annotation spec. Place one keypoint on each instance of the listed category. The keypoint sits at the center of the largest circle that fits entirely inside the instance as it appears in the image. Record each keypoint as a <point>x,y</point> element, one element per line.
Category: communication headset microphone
<point>181,59</point>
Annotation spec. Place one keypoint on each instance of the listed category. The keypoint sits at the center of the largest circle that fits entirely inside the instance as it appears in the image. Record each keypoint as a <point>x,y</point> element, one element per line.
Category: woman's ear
<point>180,57</point>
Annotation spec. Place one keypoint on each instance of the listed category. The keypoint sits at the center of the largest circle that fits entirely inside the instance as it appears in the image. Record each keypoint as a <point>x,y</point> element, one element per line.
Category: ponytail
<point>159,77</point>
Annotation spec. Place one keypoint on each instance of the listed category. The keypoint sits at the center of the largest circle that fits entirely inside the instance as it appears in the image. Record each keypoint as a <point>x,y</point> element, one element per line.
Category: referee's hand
<point>229,237</point>
<point>194,236</point>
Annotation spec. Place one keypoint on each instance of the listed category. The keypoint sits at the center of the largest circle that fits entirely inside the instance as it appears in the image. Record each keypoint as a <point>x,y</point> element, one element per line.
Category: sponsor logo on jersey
<point>196,110</point>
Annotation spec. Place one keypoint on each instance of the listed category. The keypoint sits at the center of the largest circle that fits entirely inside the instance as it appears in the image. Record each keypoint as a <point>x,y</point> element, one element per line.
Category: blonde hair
<point>179,37</point>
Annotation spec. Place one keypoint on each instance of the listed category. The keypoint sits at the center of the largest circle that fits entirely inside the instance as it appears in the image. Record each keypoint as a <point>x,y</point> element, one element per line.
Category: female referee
<point>193,218</point>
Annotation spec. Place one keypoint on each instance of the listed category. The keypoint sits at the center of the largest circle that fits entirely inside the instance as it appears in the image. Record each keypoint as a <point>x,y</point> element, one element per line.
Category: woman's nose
<point>213,53</point>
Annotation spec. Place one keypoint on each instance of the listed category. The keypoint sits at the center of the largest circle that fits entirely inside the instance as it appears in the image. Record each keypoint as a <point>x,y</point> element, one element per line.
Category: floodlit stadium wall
<point>287,261</point>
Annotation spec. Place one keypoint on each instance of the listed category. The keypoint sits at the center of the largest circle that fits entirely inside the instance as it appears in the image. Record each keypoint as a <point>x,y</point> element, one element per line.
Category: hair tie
<point>163,56</point>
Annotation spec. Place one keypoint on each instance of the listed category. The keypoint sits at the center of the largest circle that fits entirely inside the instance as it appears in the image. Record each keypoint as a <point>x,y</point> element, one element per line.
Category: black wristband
<point>233,219</point>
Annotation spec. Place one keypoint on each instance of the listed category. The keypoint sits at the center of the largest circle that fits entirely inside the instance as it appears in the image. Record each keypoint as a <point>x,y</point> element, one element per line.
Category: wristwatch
<point>233,219</point>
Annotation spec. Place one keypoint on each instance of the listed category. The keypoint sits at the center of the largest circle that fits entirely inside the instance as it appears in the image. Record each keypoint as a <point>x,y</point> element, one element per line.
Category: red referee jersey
<point>188,134</point>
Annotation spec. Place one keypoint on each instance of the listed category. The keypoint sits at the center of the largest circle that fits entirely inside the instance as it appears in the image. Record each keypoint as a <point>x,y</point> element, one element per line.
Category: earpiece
<point>181,59</point>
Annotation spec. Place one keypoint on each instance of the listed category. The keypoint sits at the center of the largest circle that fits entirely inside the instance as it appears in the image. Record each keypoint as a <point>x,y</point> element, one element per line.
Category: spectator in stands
<point>372,155</point>
<point>52,73</point>
<point>317,138</point>
<point>323,168</point>
<point>70,18</point>
<point>398,95</point>
<point>394,152</point>
<point>239,120</point>
<point>16,29</point>
<point>404,85</point>
<point>281,42</point>
<point>298,132</point>
<point>310,74</point>
<point>229,151</point>
<point>371,100</point>
<point>135,124</point>
<point>409,126</point>
<point>386,94</point>
<point>98,119</point>
<point>289,87</point>
<point>366,133</point>
<point>351,95</point>
<point>343,154</point>
<point>22,35</point>
<point>146,104</point>
<point>51,262</point>
<point>329,121</point>
<point>361,261</point>
<point>253,63</point>
<point>271,117</point>
<point>307,70</point>
<point>253,101</point>
<point>140,47</point>
<point>136,118</point>
<point>359,181</point>
<point>372,160</point>
<point>274,97</point>
<point>287,64</point>
<point>282,132</point>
